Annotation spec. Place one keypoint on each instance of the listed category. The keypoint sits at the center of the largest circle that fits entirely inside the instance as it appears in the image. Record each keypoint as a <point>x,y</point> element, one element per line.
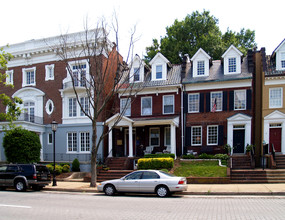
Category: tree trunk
<point>94,156</point>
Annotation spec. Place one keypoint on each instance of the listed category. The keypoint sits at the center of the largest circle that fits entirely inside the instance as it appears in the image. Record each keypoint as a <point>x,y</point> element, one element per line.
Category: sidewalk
<point>193,189</point>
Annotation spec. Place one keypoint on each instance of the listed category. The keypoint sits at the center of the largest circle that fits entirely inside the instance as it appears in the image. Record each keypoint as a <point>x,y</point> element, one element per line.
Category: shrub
<point>221,156</point>
<point>65,168</point>
<point>188,156</point>
<point>205,156</point>
<point>75,165</point>
<point>22,146</point>
<point>159,156</point>
<point>155,163</point>
<point>58,168</point>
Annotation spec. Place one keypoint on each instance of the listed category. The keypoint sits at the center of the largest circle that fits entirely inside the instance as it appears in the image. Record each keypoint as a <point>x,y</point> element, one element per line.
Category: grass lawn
<point>199,169</point>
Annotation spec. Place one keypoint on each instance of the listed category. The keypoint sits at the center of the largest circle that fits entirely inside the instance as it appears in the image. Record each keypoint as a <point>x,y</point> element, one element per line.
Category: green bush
<point>221,156</point>
<point>205,156</point>
<point>22,146</point>
<point>75,165</point>
<point>159,156</point>
<point>191,156</point>
<point>65,168</point>
<point>58,168</point>
<point>155,163</point>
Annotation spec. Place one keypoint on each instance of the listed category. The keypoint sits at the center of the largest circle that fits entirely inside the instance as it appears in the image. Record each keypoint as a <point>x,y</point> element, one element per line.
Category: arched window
<point>49,107</point>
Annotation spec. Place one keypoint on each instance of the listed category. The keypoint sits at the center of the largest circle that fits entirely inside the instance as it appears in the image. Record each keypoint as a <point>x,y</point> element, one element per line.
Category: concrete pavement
<point>193,189</point>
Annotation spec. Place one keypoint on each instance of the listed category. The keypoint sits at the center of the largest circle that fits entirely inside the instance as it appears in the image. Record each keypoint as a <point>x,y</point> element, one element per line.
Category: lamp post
<point>53,128</point>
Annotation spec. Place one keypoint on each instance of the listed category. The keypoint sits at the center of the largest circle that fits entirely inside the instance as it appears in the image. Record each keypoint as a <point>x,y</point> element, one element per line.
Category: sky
<point>34,19</point>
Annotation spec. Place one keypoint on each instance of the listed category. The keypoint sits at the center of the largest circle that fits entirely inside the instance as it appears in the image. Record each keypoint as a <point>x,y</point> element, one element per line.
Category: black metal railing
<point>273,151</point>
<point>30,118</point>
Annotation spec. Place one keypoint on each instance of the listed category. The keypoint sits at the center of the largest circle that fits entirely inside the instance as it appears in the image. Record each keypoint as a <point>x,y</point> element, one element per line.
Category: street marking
<point>16,206</point>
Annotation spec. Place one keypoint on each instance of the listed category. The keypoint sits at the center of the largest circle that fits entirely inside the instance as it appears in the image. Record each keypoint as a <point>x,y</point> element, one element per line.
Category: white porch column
<point>42,153</point>
<point>131,154</point>
<point>173,139</point>
<point>110,142</point>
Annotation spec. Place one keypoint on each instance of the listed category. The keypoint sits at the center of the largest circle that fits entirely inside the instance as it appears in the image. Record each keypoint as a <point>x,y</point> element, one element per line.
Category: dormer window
<point>283,60</point>
<point>232,61</point>
<point>136,70</point>
<point>201,64</point>
<point>159,72</point>
<point>136,74</point>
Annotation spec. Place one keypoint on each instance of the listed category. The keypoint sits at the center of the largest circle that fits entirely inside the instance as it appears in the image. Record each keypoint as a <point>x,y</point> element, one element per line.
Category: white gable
<point>275,115</point>
<point>200,63</point>
<point>232,60</point>
<point>137,67</point>
<point>158,64</point>
<point>239,117</point>
<point>280,56</point>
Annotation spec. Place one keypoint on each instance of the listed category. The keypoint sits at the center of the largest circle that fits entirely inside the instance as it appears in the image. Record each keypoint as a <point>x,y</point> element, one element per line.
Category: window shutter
<point>221,135</point>
<point>201,107</point>
<point>248,99</point>
<point>207,102</point>
<point>225,99</point>
<point>185,102</point>
<point>231,102</point>
<point>188,136</point>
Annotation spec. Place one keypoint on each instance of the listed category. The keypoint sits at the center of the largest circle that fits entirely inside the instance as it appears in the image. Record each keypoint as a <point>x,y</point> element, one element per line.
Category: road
<point>55,206</point>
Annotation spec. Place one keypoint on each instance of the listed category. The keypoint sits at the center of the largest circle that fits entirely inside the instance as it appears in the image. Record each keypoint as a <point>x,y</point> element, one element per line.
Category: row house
<point>218,102</point>
<point>44,84</point>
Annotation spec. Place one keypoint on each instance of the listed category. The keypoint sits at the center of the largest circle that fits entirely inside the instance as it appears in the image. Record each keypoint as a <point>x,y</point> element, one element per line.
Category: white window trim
<point>86,151</point>
<point>71,152</point>
<point>153,71</point>
<point>173,104</point>
<point>24,77</point>
<point>148,97</point>
<point>211,103</point>
<point>10,77</point>
<point>133,74</point>
<point>48,142</point>
<point>192,135</point>
<point>47,107</point>
<point>49,68</point>
<point>281,105</point>
<point>235,100</point>
<point>212,144</point>
<point>198,102</point>
<point>154,128</point>
<point>130,106</point>
<point>282,58</point>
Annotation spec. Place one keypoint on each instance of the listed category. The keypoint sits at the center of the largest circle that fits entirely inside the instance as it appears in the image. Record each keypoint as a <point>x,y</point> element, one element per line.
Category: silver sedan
<point>145,181</point>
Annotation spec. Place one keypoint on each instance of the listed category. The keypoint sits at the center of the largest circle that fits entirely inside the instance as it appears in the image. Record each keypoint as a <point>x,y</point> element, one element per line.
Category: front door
<point>275,139</point>
<point>238,141</point>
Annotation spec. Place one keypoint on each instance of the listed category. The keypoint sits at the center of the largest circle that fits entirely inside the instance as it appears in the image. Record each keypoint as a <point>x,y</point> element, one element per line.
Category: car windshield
<point>167,174</point>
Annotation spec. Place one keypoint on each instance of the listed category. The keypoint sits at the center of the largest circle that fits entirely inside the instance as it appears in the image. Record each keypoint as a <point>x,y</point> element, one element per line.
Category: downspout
<point>182,118</point>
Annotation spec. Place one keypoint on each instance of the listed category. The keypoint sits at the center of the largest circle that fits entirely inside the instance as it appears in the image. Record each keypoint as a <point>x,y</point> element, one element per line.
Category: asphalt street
<point>58,205</point>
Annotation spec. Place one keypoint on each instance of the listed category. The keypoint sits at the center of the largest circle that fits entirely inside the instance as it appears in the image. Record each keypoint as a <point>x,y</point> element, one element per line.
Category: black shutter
<point>231,101</point>
<point>201,107</point>
<point>207,102</point>
<point>225,99</point>
<point>221,135</point>
<point>185,102</point>
<point>248,99</point>
<point>188,136</point>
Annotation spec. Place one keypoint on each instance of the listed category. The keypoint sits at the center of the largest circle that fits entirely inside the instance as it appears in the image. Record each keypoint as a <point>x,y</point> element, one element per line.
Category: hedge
<point>159,156</point>
<point>155,163</point>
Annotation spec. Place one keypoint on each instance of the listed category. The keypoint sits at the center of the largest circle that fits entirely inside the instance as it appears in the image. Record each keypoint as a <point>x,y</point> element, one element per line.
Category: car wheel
<point>109,190</point>
<point>162,191</point>
<point>20,185</point>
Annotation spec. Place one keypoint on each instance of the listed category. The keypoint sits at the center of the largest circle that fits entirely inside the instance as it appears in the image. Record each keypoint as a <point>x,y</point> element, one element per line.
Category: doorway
<point>238,140</point>
<point>275,137</point>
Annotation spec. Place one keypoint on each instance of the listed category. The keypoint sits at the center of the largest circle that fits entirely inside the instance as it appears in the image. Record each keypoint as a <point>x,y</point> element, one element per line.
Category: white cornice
<point>217,85</point>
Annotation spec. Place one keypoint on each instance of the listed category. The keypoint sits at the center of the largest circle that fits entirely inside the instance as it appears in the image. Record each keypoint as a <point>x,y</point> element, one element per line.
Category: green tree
<point>13,111</point>
<point>198,30</point>
<point>21,146</point>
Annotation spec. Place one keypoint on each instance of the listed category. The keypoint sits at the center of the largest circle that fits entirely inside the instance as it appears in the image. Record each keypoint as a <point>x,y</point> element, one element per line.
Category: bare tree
<point>105,75</point>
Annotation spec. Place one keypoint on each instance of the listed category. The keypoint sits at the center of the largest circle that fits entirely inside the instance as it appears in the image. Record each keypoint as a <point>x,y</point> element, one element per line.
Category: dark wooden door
<point>275,139</point>
<point>238,141</point>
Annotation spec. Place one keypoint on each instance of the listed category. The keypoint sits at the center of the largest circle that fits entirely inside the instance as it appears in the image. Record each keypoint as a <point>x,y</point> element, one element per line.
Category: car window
<point>3,168</point>
<point>134,176</point>
<point>27,168</point>
<point>150,175</point>
<point>42,169</point>
<point>12,169</point>
<point>167,174</point>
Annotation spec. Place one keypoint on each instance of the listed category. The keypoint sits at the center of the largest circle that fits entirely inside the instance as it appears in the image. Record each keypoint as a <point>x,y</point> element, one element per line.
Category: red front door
<point>275,139</point>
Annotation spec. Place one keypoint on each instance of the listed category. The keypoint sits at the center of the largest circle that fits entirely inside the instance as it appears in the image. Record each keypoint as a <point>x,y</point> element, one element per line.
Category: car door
<point>130,183</point>
<point>3,169</point>
<point>11,173</point>
<point>149,181</point>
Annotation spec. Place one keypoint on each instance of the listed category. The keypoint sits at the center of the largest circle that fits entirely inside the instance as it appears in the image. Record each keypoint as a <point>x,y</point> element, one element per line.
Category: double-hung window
<point>79,74</point>
<point>212,135</point>
<point>154,136</point>
<point>275,97</point>
<point>232,65</point>
<point>146,105</point>
<point>72,107</point>
<point>72,142</point>
<point>240,99</point>
<point>168,104</point>
<point>9,79</point>
<point>159,72</point>
<point>136,74</point>
<point>49,72</point>
<point>29,111</point>
<point>50,138</point>
<point>283,60</point>
<point>193,102</point>
<point>84,101</point>
<point>125,106</point>
<point>29,76</point>
<point>201,68</point>
<point>196,135</point>
<point>216,101</point>
<point>84,141</point>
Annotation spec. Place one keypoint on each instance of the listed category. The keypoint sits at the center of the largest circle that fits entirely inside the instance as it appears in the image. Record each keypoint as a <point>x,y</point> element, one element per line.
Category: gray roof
<point>216,73</point>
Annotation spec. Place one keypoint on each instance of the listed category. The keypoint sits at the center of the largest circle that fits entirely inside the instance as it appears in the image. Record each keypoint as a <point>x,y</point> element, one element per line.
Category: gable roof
<point>200,51</point>
<point>161,56</point>
<point>278,47</point>
<point>232,47</point>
